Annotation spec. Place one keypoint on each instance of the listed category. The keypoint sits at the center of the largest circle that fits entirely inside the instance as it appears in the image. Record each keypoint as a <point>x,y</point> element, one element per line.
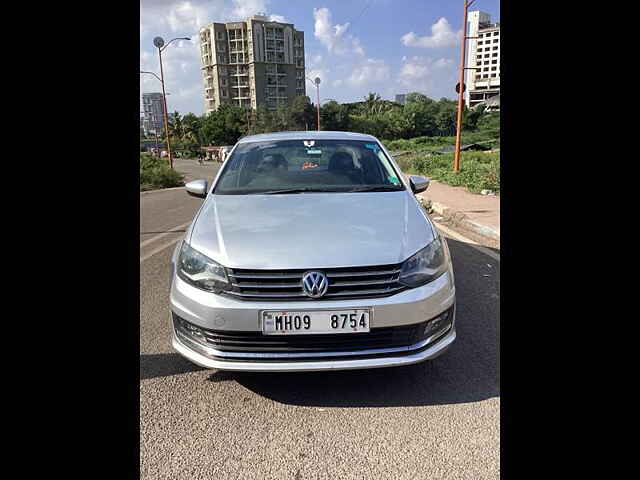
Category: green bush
<point>155,173</point>
<point>478,170</point>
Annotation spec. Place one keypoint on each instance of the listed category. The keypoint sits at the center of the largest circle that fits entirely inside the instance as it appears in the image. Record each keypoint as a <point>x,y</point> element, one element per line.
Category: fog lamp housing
<point>189,330</point>
<point>439,325</point>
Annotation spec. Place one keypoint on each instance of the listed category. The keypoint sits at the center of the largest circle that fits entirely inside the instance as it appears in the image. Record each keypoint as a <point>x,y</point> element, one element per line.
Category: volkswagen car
<point>311,252</point>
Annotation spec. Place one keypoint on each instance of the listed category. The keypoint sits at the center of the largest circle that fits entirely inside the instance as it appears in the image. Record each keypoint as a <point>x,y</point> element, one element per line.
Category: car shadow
<point>467,372</point>
<point>165,365</point>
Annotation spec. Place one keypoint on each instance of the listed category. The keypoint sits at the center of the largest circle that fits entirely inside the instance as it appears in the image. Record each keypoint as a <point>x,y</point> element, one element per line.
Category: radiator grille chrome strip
<point>344,282</point>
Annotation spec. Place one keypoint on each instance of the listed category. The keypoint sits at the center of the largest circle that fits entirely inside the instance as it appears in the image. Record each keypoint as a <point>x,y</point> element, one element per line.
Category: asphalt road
<point>438,419</point>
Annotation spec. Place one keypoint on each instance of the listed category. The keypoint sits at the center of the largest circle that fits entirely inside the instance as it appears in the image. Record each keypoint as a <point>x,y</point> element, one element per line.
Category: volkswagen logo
<point>314,284</point>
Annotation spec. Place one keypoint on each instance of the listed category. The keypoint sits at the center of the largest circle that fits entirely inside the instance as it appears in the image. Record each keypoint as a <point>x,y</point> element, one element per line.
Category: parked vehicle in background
<point>311,252</point>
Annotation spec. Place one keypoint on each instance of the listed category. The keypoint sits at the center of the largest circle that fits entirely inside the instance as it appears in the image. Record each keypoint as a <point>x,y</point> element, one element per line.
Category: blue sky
<point>354,46</point>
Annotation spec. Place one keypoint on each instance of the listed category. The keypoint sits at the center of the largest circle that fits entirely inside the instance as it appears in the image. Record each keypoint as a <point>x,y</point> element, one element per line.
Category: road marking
<point>162,235</point>
<point>160,248</point>
<point>457,236</point>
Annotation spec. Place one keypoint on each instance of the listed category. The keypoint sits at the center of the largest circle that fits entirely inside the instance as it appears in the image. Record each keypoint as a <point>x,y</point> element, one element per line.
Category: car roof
<point>306,135</point>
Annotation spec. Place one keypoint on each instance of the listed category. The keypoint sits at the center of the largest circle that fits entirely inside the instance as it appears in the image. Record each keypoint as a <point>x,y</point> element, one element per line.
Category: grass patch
<point>478,170</point>
<point>155,173</point>
<point>433,143</point>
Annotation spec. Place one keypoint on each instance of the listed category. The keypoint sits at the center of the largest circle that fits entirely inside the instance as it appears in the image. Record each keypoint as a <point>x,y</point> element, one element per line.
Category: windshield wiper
<point>289,190</point>
<point>377,188</point>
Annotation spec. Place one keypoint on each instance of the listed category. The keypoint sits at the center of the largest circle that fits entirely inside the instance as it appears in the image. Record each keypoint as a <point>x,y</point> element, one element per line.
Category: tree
<point>446,117</point>
<point>416,97</point>
<point>372,103</point>
<point>224,126</point>
<point>302,114</point>
<point>334,117</point>
<point>175,126</point>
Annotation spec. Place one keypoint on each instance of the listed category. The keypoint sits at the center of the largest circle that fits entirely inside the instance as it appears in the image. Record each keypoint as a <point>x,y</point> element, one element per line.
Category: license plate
<point>315,322</point>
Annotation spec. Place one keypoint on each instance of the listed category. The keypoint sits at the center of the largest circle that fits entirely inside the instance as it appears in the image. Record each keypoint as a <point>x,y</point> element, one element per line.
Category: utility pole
<point>461,87</point>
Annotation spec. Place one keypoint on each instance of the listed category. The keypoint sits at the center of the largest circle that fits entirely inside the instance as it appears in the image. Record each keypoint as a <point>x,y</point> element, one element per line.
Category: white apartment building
<point>255,62</point>
<point>482,83</point>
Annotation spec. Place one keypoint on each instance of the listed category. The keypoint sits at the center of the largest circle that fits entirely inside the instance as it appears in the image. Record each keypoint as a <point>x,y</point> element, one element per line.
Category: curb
<point>161,190</point>
<point>460,219</point>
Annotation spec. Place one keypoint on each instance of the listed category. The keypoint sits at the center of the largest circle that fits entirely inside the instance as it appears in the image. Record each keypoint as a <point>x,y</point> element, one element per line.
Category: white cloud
<point>371,71</point>
<point>314,60</point>
<point>435,78</point>
<point>441,36</point>
<point>246,8</point>
<point>334,37</point>
<point>278,18</point>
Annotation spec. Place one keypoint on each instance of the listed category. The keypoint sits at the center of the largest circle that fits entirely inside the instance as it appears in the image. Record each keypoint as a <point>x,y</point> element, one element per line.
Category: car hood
<point>318,230</point>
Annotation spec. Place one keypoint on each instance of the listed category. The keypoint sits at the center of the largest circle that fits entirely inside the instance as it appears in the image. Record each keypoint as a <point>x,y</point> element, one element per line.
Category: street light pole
<point>166,117</point>
<point>317,84</point>
<point>456,156</point>
<point>160,45</point>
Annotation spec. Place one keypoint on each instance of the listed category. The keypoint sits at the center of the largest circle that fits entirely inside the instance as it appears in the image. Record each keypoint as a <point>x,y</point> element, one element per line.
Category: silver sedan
<point>311,252</point>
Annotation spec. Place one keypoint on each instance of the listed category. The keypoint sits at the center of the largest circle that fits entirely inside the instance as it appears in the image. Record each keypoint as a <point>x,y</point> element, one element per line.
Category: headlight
<point>425,266</point>
<point>200,271</point>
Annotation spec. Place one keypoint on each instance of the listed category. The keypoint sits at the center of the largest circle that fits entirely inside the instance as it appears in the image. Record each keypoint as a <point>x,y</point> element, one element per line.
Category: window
<point>330,166</point>
<point>223,81</point>
<point>486,55</point>
<point>485,76</point>
<point>493,62</point>
<point>493,68</point>
<point>493,75</point>
<point>495,40</point>
<point>223,92</point>
<point>479,42</point>
<point>495,48</point>
<point>493,55</point>
<point>479,49</point>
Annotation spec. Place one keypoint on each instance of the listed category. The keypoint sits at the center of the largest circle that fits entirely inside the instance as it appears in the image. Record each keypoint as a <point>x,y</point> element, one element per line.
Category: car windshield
<point>302,166</point>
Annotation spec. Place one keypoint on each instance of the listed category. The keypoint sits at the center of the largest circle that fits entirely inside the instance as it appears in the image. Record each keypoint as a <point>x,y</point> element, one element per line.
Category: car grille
<point>344,283</point>
<point>256,342</point>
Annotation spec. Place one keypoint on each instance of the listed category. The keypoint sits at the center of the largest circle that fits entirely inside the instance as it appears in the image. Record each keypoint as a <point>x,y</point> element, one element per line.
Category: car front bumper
<point>216,312</point>
<point>206,357</point>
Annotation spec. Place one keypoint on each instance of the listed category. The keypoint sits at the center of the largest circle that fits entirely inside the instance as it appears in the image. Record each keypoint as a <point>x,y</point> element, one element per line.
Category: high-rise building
<point>484,53</point>
<point>255,62</point>
<point>401,98</point>
<point>152,105</point>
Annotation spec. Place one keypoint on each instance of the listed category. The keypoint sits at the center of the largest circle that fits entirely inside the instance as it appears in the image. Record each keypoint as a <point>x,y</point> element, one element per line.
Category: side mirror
<point>197,188</point>
<point>418,183</point>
